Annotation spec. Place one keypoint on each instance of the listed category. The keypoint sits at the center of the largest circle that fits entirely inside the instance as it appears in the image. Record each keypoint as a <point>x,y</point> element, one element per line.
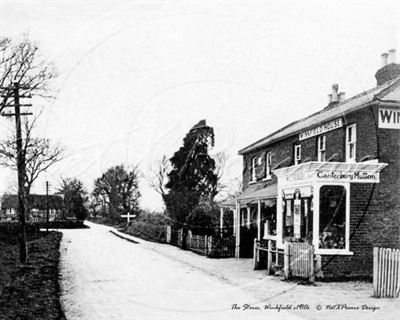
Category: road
<point>105,277</point>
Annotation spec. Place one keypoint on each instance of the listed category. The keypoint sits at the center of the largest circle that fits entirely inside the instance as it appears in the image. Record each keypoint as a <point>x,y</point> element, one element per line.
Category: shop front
<point>314,201</point>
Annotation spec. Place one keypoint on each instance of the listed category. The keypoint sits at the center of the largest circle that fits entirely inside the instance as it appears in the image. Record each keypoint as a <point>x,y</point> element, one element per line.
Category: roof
<point>254,193</point>
<point>389,91</point>
<point>36,201</point>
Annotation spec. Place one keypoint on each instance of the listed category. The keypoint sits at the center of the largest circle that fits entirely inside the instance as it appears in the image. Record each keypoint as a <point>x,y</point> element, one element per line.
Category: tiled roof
<point>36,201</point>
<point>389,91</point>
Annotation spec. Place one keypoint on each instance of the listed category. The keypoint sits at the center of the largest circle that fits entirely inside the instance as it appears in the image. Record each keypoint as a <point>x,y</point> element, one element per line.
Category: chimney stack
<point>392,56</point>
<point>390,70</point>
<point>335,96</point>
<point>384,57</point>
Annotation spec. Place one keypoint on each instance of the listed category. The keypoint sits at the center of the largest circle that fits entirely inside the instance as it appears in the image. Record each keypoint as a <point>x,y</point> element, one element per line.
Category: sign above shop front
<point>347,176</point>
<point>361,172</point>
<point>389,118</point>
<point>328,126</point>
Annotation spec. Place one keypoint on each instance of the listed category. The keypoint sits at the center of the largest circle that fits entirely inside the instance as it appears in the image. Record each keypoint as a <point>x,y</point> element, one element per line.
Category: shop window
<point>268,164</point>
<point>297,154</point>
<point>321,148</point>
<point>298,215</point>
<point>332,217</point>
<point>351,137</point>
<point>268,214</point>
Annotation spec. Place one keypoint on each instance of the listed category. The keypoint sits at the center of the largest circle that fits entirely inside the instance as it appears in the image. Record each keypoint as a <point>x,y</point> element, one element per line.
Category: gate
<point>299,260</point>
<point>386,273</point>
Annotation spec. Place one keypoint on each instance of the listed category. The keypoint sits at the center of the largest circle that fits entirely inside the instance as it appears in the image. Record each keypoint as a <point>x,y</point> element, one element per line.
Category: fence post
<point>168,238</point>
<point>269,261</point>
<point>311,264</point>
<point>209,245</point>
<point>180,237</point>
<point>286,260</point>
<point>375,272</point>
<point>255,261</point>
<point>190,238</point>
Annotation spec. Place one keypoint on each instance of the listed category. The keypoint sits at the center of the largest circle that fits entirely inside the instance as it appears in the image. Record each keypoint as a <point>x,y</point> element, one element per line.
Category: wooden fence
<point>386,278</point>
<point>210,246</point>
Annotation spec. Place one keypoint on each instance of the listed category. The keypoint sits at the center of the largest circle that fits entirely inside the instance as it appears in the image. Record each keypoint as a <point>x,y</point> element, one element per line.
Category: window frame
<point>352,142</point>
<point>317,213</point>
<point>253,172</point>
<point>321,152</point>
<point>297,154</point>
<point>268,165</point>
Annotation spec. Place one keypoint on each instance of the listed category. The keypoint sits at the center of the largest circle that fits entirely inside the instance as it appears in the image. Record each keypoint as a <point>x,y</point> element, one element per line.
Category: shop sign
<point>389,118</point>
<point>348,176</point>
<point>305,191</point>
<point>328,126</point>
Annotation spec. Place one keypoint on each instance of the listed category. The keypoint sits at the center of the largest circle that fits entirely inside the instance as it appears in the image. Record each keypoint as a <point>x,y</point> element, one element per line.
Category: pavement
<point>103,276</point>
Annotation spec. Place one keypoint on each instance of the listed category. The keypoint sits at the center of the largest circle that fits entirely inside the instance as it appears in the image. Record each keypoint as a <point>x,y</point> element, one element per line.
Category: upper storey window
<point>351,138</point>
<point>297,154</point>
<point>253,169</point>
<point>268,163</point>
<point>321,148</point>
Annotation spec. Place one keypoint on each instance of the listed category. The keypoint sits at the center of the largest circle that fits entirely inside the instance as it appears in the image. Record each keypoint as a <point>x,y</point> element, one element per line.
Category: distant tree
<point>220,159</point>
<point>75,196</point>
<point>192,176</point>
<point>158,177</point>
<point>118,190</point>
<point>39,154</point>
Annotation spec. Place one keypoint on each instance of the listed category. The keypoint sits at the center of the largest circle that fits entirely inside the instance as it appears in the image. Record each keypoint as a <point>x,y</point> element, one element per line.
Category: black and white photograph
<point>199,160</point>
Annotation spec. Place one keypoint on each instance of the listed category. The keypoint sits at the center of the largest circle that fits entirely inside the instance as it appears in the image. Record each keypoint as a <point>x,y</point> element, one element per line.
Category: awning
<point>255,193</point>
<point>228,204</point>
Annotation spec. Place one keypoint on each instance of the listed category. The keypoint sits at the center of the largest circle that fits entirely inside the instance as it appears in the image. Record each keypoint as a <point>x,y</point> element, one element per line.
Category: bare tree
<point>22,63</point>
<point>159,175</point>
<point>39,154</point>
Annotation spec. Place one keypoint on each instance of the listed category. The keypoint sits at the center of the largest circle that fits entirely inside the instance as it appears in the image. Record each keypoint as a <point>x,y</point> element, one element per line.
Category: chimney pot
<point>329,98</point>
<point>342,96</point>
<point>392,56</point>
<point>384,59</point>
<point>335,88</point>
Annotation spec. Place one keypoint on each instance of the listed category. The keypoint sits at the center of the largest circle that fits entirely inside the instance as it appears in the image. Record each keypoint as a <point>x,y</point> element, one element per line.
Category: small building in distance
<point>331,179</point>
<point>37,204</point>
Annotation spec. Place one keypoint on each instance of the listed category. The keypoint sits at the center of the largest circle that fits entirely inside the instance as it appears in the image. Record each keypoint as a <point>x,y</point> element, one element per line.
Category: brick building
<point>330,179</point>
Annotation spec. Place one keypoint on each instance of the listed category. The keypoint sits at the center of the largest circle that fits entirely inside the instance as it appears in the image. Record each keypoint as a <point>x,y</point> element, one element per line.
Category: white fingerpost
<point>128,216</point>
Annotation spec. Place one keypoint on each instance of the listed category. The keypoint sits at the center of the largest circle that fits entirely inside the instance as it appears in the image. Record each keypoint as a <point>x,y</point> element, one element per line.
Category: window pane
<point>332,217</point>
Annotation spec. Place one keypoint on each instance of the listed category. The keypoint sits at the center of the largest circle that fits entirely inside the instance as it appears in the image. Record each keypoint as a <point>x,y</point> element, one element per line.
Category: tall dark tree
<point>75,197</point>
<point>193,176</point>
<point>118,191</point>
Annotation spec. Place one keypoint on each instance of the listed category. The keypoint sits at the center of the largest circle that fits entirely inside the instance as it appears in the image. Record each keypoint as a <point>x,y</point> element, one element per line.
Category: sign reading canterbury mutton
<point>389,118</point>
<point>328,126</point>
<point>350,176</point>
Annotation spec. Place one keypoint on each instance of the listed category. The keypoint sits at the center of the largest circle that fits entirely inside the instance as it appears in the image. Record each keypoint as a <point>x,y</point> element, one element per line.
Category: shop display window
<point>332,217</point>
<point>297,216</point>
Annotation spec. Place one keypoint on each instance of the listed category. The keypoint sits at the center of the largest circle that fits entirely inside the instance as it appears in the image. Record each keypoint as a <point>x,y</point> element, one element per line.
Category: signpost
<point>128,216</point>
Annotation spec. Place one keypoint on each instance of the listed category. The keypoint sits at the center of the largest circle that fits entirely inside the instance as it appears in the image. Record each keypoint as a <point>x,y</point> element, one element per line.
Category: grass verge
<point>30,291</point>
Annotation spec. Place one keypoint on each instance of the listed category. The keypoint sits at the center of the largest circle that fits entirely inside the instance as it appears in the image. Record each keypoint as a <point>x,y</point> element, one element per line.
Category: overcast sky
<point>135,76</point>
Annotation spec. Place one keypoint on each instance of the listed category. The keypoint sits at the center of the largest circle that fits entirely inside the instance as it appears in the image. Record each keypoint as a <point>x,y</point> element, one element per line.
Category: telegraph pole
<point>14,91</point>
<point>47,207</point>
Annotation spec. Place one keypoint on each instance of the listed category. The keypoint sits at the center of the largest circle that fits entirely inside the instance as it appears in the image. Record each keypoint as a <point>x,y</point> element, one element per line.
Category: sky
<point>135,76</point>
